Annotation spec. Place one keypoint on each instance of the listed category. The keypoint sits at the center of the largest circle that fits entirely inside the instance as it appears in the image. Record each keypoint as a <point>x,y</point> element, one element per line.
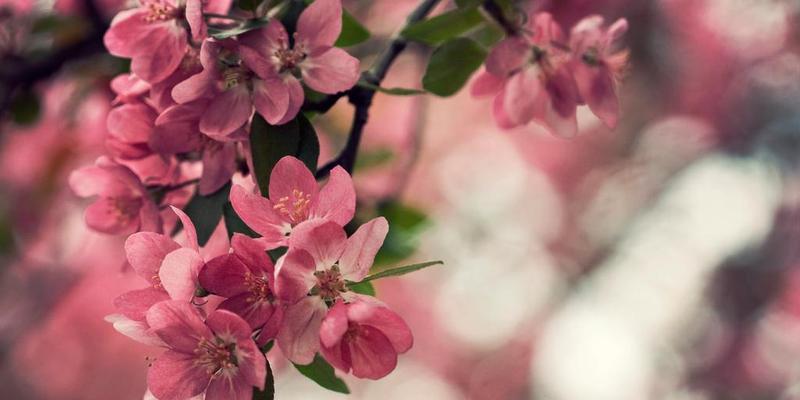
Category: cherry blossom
<point>294,197</point>
<point>216,356</point>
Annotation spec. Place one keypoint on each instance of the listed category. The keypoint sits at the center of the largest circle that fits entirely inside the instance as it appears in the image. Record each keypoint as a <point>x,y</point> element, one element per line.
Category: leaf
<point>277,253</point>
<point>391,91</point>
<point>403,238</point>
<point>400,270</point>
<point>206,211</point>
<point>249,5</point>
<point>451,65</point>
<point>446,26</point>
<point>270,143</point>
<point>267,347</point>
<point>269,386</point>
<point>362,288</point>
<point>353,32</point>
<point>234,224</point>
<point>487,36</point>
<point>246,26</point>
<point>321,372</point>
<point>373,158</point>
<point>25,108</point>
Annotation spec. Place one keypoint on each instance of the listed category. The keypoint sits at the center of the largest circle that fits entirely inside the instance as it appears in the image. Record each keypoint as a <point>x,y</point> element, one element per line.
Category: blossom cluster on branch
<point>258,253</point>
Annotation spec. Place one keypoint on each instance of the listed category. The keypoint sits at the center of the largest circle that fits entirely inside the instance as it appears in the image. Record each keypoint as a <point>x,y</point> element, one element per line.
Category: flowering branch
<point>361,97</point>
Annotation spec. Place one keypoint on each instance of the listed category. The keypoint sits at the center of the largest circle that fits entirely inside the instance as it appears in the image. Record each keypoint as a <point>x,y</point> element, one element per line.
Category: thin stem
<point>361,97</point>
<point>496,13</point>
<point>223,16</point>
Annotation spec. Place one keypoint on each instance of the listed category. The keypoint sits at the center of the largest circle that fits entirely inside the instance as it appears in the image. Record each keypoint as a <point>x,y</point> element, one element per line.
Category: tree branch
<point>496,12</point>
<point>361,97</point>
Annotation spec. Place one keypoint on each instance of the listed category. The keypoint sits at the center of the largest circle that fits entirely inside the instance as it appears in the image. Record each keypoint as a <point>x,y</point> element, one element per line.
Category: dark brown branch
<point>496,12</point>
<point>361,97</point>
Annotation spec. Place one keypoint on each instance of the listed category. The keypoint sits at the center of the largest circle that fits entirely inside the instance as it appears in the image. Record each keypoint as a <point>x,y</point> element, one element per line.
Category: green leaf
<point>451,65</point>
<point>267,347</point>
<point>467,3</point>
<point>353,32</point>
<point>277,253</point>
<point>392,91</point>
<point>206,211</point>
<point>406,225</point>
<point>269,386</point>
<point>400,270</point>
<point>270,143</point>
<point>321,372</point>
<point>436,30</point>
<point>234,224</point>
<point>246,26</point>
<point>487,36</point>
<point>249,5</point>
<point>25,108</point>
<point>362,288</point>
<point>373,158</point>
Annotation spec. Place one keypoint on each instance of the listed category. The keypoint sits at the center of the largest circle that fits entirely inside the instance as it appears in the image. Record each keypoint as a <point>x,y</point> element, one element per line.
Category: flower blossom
<point>246,279</point>
<point>123,204</point>
<point>294,197</point>
<point>216,356</point>
<point>597,63</point>
<point>154,35</point>
<point>312,57</point>
<point>314,274</point>
<point>530,76</point>
<point>364,336</point>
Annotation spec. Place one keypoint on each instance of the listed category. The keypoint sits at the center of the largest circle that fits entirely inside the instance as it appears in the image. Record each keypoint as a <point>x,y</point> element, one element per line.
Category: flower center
<point>259,288</point>
<point>329,283</point>
<point>591,56</point>
<point>126,208</point>
<point>294,207</point>
<point>288,59</point>
<point>157,12</point>
<point>234,76</point>
<point>215,356</point>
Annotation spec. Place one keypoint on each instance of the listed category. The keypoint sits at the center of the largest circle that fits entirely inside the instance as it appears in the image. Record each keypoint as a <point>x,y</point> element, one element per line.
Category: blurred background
<point>660,260</point>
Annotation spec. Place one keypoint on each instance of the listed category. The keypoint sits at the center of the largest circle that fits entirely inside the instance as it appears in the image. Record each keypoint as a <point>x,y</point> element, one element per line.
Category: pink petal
<point>146,251</point>
<point>258,46</point>
<point>176,376</point>
<point>499,112</point>
<point>177,129</point>
<point>291,178</point>
<point>616,31</point>
<point>371,354</point>
<point>136,330</point>
<point>257,212</point>
<point>127,29</point>
<point>198,86</point>
<point>194,16</point>
<point>296,98</point>
<point>523,96</point>
<point>596,87</point>
<point>298,337</point>
<point>178,324</point>
<point>507,56</point>
<point>271,326</point>
<point>228,325</point>
<point>271,99</point>
<point>486,84</point>
<point>383,319</point>
<point>161,54</point>
<point>224,276</point>
<point>223,387</point>
<point>218,244</point>
<point>219,165</point>
<point>227,112</point>
<point>94,180</point>
<point>104,215</point>
<point>362,246</point>
<point>294,275</point>
<point>560,112</point>
<point>218,6</point>
<point>253,254</point>
<point>545,29</point>
<point>149,217</point>
<point>331,72</point>
<point>320,23</point>
<point>337,199</point>
<point>188,228</point>
<point>132,122</point>
<point>334,325</point>
<point>255,312</point>
<point>324,240</point>
<point>252,363</point>
<point>179,272</point>
<point>135,303</point>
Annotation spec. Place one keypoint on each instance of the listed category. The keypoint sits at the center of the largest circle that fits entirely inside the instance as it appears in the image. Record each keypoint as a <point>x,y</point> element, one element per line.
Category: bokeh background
<point>660,260</point>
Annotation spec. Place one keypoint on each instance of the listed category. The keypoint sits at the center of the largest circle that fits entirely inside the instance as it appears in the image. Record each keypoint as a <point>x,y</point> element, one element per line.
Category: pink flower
<point>246,279</point>
<point>129,129</point>
<point>123,204</point>
<point>129,88</point>
<point>171,270</point>
<point>153,36</point>
<point>598,61</point>
<point>324,68</point>
<point>294,198</point>
<point>365,336</point>
<point>315,273</point>
<point>176,131</point>
<point>215,356</point>
<point>530,75</point>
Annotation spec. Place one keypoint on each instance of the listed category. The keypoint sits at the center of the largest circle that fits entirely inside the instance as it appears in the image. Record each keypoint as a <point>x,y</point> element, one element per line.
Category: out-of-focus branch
<point>496,13</point>
<point>20,74</point>
<point>361,97</point>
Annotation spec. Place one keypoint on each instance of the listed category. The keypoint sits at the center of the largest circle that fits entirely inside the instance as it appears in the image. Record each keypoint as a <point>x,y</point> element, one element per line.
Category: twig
<point>496,13</point>
<point>361,97</point>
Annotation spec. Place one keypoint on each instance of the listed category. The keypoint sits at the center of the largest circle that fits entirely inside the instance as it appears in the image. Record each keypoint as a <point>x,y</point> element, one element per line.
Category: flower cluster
<point>540,75</point>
